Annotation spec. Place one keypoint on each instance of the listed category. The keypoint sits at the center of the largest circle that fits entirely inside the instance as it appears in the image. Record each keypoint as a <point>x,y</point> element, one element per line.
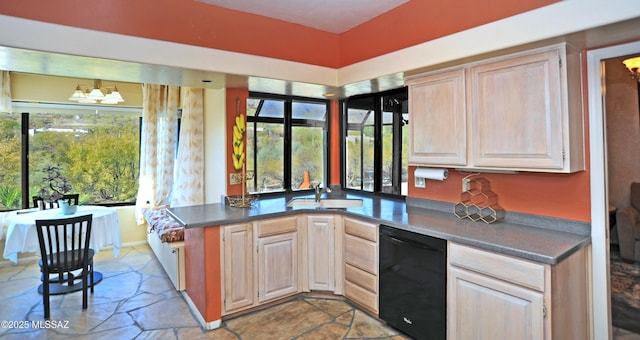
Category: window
<point>375,145</point>
<point>96,148</point>
<point>286,143</point>
<point>10,192</point>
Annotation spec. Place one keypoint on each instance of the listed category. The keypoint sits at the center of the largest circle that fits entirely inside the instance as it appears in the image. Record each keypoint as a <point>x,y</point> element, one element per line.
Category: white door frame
<point>601,290</point>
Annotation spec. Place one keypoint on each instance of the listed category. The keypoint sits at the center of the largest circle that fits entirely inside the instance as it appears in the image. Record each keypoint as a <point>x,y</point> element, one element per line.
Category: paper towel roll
<point>437,174</point>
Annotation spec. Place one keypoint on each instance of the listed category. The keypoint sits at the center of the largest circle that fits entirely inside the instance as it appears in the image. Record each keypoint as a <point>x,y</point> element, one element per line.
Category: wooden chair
<point>64,247</point>
<point>73,200</point>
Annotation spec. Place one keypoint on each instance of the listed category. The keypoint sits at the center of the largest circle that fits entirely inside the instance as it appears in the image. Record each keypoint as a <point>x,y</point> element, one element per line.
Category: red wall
<point>195,23</point>
<point>334,142</point>
<point>556,195</point>
<point>232,110</point>
<point>191,22</point>
<point>204,278</point>
<point>418,21</point>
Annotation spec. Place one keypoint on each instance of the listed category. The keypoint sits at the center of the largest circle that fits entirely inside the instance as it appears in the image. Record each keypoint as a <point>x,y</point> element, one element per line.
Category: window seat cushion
<point>160,222</point>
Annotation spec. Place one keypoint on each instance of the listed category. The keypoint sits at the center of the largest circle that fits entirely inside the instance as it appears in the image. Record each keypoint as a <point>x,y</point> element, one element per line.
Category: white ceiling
<point>335,16</point>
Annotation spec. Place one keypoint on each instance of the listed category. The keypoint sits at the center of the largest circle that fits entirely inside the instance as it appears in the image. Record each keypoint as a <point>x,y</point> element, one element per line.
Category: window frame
<point>288,123</point>
<point>23,108</point>
<point>397,123</point>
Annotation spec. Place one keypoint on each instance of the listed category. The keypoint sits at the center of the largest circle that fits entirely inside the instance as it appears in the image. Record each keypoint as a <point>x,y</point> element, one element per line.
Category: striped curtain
<point>5,92</point>
<point>188,185</point>
<point>157,146</point>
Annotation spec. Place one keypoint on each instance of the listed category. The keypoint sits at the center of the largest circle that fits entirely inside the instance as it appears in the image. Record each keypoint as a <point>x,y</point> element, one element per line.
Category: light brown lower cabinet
<point>237,267</point>
<point>321,252</point>
<point>489,295</point>
<point>259,262</point>
<point>277,266</point>
<point>361,263</point>
<point>494,296</point>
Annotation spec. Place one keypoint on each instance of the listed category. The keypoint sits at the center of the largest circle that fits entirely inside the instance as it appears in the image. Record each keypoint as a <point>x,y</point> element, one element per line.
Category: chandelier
<point>96,94</point>
<point>633,64</point>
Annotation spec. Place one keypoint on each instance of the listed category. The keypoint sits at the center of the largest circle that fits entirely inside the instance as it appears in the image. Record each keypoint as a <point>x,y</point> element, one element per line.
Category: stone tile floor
<point>136,300</point>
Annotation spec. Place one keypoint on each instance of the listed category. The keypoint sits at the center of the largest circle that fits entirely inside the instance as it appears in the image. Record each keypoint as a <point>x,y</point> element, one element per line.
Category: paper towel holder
<point>422,174</point>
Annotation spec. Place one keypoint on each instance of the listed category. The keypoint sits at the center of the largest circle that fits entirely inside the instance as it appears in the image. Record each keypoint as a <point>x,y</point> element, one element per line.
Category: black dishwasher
<point>413,279</point>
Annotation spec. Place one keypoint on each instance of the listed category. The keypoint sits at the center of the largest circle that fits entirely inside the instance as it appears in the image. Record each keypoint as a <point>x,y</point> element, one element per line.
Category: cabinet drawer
<point>506,268</point>
<point>277,226</point>
<point>361,296</point>
<point>363,279</point>
<point>364,230</point>
<point>361,253</point>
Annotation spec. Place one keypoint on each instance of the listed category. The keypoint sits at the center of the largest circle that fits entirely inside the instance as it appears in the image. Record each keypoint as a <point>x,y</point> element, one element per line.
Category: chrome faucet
<point>319,191</point>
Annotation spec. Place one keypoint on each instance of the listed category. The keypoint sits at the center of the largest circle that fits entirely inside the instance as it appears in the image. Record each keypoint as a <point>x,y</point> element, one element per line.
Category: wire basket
<point>240,201</point>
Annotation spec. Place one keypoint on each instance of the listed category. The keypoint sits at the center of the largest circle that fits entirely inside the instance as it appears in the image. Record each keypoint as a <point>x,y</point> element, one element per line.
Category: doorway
<point>600,237</point>
<point>622,126</point>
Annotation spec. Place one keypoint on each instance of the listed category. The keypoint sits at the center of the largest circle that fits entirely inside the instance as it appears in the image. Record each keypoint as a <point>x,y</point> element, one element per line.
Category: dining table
<point>22,236</point>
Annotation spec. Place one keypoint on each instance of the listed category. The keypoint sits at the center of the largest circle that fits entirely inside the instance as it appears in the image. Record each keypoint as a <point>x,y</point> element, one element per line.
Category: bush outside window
<point>95,148</point>
<point>286,143</point>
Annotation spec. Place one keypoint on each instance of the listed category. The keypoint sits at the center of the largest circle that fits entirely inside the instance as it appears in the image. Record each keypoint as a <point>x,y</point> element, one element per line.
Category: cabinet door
<point>238,267</point>
<point>437,120</point>
<point>481,307</point>
<point>321,252</point>
<point>277,266</point>
<point>517,113</point>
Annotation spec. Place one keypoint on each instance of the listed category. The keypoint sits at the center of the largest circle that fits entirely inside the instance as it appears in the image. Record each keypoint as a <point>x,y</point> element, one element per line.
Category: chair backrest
<point>72,198</point>
<point>64,243</point>
<point>45,205</point>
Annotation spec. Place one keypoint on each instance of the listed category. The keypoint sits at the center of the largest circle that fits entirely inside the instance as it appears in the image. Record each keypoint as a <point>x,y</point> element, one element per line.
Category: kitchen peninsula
<point>539,261</point>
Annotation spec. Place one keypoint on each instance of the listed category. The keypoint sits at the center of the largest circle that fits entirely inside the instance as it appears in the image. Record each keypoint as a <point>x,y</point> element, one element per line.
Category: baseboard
<point>133,244</point>
<point>35,258</point>
<point>206,325</point>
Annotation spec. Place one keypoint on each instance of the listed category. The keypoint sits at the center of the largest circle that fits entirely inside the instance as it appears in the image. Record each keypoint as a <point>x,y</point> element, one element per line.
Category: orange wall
<point>334,143</point>
<point>188,22</point>
<point>232,96</point>
<point>334,138</point>
<point>555,195</point>
<point>418,21</point>
<point>565,196</point>
<point>203,277</point>
<point>192,22</point>
<point>195,23</point>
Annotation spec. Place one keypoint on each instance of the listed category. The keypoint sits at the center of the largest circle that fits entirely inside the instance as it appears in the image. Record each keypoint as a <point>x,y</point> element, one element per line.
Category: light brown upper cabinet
<point>438,119</point>
<point>518,112</point>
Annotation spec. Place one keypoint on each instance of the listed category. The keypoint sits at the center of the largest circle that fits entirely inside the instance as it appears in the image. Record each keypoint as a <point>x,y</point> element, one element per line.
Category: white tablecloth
<point>23,237</point>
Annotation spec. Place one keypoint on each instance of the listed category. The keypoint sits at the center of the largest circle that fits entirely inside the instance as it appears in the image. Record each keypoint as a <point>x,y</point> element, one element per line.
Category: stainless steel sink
<point>303,202</point>
<point>340,203</point>
<point>328,203</point>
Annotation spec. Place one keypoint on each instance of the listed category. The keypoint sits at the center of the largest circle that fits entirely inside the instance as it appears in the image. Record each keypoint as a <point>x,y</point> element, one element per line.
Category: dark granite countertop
<point>541,239</point>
